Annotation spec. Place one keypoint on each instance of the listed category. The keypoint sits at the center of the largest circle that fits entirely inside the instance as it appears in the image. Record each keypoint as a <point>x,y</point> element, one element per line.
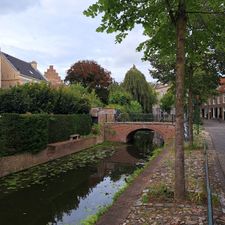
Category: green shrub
<point>62,126</point>
<point>42,98</point>
<point>32,132</point>
<point>23,133</point>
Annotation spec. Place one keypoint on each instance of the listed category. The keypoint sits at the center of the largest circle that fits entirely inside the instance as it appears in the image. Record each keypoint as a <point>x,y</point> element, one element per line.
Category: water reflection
<point>71,196</point>
<point>144,141</point>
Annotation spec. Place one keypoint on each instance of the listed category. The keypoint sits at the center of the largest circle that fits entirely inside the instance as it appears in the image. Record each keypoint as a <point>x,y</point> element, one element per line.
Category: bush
<point>23,133</point>
<point>62,126</point>
<point>32,132</point>
<point>41,98</point>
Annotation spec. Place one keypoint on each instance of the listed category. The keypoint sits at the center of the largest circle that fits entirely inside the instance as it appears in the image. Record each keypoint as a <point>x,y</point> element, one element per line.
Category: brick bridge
<point>123,131</point>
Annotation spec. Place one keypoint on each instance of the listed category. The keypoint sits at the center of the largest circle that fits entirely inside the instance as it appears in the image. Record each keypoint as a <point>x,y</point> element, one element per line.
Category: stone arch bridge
<point>121,131</point>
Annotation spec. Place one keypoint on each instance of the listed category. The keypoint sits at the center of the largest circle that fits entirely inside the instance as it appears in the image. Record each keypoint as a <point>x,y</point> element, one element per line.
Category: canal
<point>66,191</point>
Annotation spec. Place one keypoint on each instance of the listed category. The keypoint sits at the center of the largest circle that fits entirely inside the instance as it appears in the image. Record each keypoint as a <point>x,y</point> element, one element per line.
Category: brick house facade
<point>53,77</point>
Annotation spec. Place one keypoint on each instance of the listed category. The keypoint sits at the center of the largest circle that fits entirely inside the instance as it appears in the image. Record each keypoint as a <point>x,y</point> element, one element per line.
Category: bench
<point>74,137</point>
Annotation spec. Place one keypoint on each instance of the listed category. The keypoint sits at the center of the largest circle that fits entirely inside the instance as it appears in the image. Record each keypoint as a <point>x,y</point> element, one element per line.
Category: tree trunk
<point>180,71</point>
<point>190,110</point>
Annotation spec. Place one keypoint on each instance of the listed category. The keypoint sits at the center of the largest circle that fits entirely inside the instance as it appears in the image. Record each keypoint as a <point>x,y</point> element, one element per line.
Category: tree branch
<point>170,11</point>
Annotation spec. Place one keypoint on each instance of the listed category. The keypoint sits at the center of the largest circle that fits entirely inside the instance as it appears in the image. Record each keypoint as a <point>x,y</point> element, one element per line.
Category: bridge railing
<point>144,117</point>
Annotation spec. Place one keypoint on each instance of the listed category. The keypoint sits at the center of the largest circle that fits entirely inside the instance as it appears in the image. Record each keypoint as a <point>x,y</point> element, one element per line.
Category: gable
<point>24,68</point>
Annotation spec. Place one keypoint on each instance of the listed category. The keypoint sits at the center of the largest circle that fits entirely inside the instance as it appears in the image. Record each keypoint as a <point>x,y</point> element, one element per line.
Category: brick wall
<point>15,163</point>
<point>119,131</point>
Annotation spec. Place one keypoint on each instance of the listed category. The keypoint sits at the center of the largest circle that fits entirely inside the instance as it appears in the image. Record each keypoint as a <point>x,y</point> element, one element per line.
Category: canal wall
<point>16,163</point>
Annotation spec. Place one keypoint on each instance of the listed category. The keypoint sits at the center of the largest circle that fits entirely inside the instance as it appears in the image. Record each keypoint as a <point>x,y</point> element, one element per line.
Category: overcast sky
<point>55,32</point>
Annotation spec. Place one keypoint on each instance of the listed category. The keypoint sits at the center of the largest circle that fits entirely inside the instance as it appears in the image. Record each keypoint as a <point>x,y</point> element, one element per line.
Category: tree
<point>122,100</point>
<point>81,92</point>
<point>91,75</point>
<point>136,84</point>
<point>162,21</point>
<point>118,95</point>
<point>167,101</point>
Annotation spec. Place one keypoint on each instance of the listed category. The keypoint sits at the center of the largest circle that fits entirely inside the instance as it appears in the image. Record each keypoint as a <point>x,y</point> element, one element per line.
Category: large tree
<point>136,84</point>
<point>162,20</point>
<point>91,75</point>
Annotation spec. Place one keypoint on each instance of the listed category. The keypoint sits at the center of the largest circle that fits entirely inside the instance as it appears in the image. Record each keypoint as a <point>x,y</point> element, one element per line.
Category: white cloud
<point>8,6</point>
<point>56,32</point>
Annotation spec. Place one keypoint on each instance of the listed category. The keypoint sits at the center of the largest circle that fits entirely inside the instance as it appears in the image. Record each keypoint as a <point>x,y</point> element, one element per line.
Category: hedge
<point>32,132</point>
<point>62,126</point>
<point>23,133</point>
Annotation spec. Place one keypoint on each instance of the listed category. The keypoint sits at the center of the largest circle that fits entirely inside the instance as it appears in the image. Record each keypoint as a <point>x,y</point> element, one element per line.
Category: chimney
<point>34,64</point>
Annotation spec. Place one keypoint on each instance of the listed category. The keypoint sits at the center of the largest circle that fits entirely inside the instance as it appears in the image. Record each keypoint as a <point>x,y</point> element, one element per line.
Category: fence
<point>145,117</point>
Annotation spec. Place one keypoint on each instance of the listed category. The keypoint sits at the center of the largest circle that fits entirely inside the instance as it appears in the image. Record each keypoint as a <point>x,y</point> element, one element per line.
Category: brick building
<point>53,77</point>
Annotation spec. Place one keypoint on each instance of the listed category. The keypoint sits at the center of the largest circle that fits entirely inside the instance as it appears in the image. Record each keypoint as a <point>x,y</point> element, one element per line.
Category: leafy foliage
<point>23,133</point>
<point>32,132</point>
<point>90,75</point>
<point>140,90</point>
<point>81,92</point>
<point>122,100</point>
<point>41,98</point>
<point>62,126</point>
<point>167,101</point>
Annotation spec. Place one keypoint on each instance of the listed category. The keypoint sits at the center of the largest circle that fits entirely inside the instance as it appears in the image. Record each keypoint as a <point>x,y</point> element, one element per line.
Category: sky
<point>55,32</point>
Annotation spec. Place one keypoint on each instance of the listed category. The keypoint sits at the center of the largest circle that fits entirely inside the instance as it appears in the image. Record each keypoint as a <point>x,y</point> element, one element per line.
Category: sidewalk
<point>163,211</point>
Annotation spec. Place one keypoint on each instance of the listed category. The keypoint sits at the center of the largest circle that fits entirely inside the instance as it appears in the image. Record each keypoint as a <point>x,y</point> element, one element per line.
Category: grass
<point>157,192</point>
<point>92,219</point>
<point>198,198</point>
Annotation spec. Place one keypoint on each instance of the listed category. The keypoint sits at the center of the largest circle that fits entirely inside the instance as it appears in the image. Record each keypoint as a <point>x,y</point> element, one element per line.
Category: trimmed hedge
<point>23,133</point>
<point>32,132</point>
<point>62,126</point>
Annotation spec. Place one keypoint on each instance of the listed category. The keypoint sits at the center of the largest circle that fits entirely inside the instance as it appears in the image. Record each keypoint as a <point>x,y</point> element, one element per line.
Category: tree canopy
<point>167,101</point>
<point>91,75</point>
<point>122,100</point>
<point>163,21</point>
<point>136,84</point>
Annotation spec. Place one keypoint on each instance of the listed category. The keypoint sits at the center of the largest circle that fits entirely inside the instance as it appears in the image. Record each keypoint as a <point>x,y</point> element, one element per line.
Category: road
<point>216,130</point>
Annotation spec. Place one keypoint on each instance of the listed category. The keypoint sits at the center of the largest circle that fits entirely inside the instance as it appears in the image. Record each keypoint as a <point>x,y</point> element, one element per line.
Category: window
<point>214,101</point>
<point>223,98</point>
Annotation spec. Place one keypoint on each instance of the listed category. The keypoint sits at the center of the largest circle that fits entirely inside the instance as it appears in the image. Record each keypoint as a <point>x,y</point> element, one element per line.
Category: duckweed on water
<point>38,175</point>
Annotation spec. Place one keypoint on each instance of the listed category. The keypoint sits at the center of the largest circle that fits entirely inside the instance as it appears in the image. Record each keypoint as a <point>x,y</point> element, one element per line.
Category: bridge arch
<point>120,132</point>
<point>132,133</point>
